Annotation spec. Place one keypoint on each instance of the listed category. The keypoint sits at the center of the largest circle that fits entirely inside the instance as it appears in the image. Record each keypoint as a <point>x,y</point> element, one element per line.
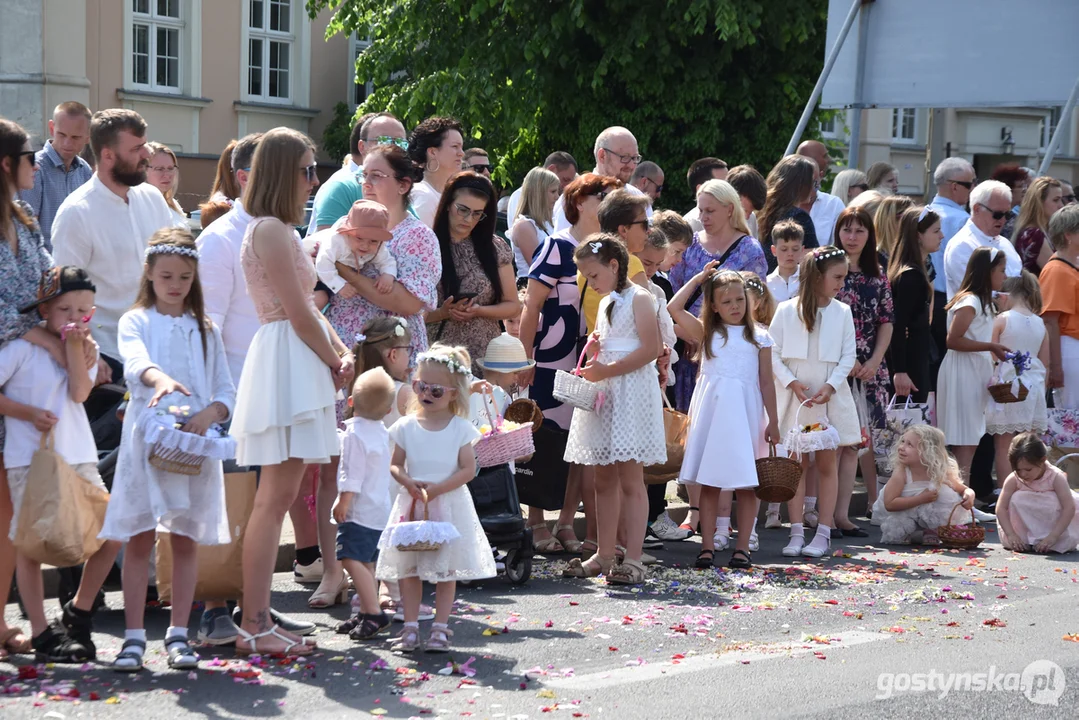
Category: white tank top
<point>518,257</point>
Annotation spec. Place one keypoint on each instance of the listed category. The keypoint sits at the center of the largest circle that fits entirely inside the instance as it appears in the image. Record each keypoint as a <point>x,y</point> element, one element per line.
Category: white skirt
<point>285,402</point>
<point>726,434</point>
<point>962,396</point>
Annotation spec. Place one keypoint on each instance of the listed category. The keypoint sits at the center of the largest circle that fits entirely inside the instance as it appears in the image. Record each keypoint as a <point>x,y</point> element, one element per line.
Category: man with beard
<point>617,157</point>
<point>104,225</point>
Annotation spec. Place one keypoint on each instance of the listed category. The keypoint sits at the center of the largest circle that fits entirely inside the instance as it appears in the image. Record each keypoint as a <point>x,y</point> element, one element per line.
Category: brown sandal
<point>573,546</point>
<point>590,568</point>
<point>628,572</point>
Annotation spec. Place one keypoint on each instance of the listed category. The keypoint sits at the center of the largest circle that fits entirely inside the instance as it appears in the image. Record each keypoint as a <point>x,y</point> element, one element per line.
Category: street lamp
<point>1006,140</point>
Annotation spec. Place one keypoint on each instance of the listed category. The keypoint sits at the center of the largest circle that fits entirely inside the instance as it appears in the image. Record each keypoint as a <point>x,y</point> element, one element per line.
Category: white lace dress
<point>432,457</point>
<point>897,527</point>
<point>1023,333</point>
<point>727,416</point>
<point>629,425</point>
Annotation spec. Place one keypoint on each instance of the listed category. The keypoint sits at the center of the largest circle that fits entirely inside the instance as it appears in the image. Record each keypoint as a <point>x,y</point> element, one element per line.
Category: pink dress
<point>285,397</point>
<point>1034,508</point>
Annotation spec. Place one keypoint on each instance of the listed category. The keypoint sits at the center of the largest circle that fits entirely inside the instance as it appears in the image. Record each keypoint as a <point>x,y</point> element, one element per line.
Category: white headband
<point>172,250</point>
<point>923,213</point>
<point>993,252</point>
<point>452,364</point>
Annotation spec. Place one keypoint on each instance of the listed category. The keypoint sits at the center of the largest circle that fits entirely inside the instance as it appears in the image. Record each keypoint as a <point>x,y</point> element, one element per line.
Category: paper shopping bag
<point>61,513</point>
<point>675,431</point>
<point>897,418</point>
<point>220,575</point>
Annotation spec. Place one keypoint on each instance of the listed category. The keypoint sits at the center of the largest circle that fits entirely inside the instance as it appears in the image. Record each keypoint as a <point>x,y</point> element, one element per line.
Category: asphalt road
<point>846,637</point>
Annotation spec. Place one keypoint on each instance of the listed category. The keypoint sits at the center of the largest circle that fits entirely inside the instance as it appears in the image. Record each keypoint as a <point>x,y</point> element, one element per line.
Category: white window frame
<point>1052,119</point>
<point>357,45</point>
<point>834,131</point>
<point>898,116</point>
<point>267,36</point>
<point>153,22</point>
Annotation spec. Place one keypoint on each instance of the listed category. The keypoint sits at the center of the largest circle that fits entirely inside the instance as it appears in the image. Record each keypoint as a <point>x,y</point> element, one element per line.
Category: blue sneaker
<point>217,628</point>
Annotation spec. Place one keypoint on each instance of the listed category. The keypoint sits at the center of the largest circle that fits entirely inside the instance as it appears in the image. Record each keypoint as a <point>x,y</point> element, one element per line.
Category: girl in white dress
<point>729,428</point>
<point>433,453</point>
<point>967,367</point>
<point>814,353</point>
<point>923,490</point>
<point>173,359</point>
<point>626,432</point>
<point>1020,329</point>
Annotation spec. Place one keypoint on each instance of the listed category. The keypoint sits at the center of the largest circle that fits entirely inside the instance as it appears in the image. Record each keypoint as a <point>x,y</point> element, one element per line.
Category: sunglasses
<point>387,140</point>
<point>466,213</point>
<point>967,185</point>
<point>997,214</point>
<point>481,168</point>
<point>1068,199</point>
<point>863,186</point>
<point>646,223</point>
<point>436,391</point>
<point>32,154</point>
<point>602,194</point>
<point>310,172</point>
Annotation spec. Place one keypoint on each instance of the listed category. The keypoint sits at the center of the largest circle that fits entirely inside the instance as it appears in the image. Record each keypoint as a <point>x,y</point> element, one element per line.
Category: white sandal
<point>246,637</point>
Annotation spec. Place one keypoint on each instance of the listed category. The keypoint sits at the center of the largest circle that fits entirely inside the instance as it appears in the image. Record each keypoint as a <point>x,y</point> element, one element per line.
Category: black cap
<point>57,281</point>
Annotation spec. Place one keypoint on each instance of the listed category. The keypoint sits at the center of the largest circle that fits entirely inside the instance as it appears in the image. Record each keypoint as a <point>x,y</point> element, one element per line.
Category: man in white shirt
<point>617,157</point>
<point>104,225</point>
<point>700,172</point>
<point>825,208</point>
<point>990,206</point>
<point>559,162</point>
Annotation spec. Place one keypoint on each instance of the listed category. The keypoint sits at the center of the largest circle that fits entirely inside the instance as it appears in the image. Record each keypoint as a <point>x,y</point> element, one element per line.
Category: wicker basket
<point>500,447</point>
<point>965,537</point>
<point>175,461</point>
<point>523,410</point>
<point>572,389</point>
<point>1002,393</point>
<point>420,546</point>
<point>777,477</point>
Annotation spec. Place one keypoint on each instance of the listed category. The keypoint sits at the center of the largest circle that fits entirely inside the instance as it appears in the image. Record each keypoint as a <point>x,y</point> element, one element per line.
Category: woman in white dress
<point>967,367</point>
<point>285,415</point>
<point>534,221</point>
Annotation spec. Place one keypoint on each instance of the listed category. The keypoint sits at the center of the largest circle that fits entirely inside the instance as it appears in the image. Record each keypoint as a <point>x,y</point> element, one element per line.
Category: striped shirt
<point>52,183</point>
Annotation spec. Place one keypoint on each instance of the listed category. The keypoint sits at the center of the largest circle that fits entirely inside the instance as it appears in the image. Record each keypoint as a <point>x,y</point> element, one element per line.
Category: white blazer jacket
<point>837,345</point>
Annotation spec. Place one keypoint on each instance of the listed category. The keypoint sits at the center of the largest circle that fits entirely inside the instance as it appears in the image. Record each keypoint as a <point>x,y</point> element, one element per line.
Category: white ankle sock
<point>175,631</point>
<point>823,536</point>
<point>810,502</point>
<point>798,529</point>
<point>139,634</point>
<point>773,508</point>
<point>723,525</point>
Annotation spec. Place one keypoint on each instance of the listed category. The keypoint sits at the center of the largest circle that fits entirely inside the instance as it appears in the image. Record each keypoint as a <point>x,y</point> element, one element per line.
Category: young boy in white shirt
<point>787,239</point>
<point>355,240</point>
<point>365,497</point>
<point>39,397</point>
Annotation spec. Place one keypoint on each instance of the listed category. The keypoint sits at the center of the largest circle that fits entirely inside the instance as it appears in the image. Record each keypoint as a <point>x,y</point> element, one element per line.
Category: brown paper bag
<point>675,430</point>
<point>220,575</point>
<point>61,513</point>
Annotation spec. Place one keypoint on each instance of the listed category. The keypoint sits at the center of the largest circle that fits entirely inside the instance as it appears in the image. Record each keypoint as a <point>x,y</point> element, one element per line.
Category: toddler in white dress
<point>355,240</point>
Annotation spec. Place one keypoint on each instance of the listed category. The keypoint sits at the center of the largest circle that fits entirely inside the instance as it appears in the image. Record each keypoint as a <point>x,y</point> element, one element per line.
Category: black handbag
<point>541,482</point>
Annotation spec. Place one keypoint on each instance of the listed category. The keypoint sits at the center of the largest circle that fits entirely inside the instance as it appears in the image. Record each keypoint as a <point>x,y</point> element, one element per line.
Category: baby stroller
<point>494,495</point>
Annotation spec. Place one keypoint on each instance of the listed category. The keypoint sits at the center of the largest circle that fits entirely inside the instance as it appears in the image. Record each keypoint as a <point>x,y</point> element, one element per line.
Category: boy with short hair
<point>40,396</point>
<point>787,239</point>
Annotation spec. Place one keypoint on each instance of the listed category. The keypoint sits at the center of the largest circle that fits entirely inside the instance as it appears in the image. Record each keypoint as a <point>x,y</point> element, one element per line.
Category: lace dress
<point>727,416</point>
<point>1023,333</point>
<point>897,527</point>
<point>432,457</point>
<point>628,427</point>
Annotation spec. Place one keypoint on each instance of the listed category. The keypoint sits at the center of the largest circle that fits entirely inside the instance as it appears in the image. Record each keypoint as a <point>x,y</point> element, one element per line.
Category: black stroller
<point>494,495</point>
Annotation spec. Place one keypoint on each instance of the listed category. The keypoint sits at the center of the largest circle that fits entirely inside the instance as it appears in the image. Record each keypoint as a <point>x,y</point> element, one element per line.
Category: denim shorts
<point>356,542</point>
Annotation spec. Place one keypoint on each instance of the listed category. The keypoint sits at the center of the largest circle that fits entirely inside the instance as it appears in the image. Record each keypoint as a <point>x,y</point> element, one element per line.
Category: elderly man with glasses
<point>990,206</point>
<point>617,156</point>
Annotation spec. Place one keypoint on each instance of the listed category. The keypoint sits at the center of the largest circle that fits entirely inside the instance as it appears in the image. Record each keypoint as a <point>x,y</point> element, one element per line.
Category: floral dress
<point>1029,246</point>
<point>747,256</point>
<point>870,301</point>
<point>419,268</point>
<point>20,276</point>
<point>476,333</point>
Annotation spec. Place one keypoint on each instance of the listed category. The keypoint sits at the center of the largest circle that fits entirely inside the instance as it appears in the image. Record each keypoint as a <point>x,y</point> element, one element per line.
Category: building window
<point>904,125</point>
<point>1047,126</point>
<point>827,127</point>
<point>270,46</point>
<point>358,91</point>
<point>155,45</point>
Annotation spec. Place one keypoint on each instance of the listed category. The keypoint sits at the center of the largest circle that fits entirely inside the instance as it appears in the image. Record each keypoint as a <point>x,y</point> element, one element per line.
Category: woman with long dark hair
<point>477,287</point>
<point>790,184</point>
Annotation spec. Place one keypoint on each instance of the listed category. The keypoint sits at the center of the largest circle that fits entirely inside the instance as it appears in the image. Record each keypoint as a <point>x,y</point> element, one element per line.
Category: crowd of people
<point>358,364</point>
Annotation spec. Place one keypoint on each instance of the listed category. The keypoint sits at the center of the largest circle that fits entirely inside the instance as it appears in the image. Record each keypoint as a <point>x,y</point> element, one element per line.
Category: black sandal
<point>745,562</point>
<point>121,664</point>
<point>349,625</point>
<point>702,562</point>
<point>370,626</point>
<point>181,656</point>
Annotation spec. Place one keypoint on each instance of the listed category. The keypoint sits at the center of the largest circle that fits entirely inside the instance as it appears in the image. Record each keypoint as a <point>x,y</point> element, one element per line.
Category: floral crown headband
<point>828,253</point>
<point>449,362</point>
<point>172,250</point>
<point>399,330</point>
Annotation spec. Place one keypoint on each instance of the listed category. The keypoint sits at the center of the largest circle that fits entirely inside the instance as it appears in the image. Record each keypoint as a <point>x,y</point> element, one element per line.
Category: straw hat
<point>505,354</point>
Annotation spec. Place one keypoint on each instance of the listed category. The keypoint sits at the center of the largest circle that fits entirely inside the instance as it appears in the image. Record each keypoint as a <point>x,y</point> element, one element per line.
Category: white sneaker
<point>665,529</point>
<point>721,541</point>
<point>984,517</point>
<point>794,547</point>
<point>754,543</point>
<point>771,520</point>
<point>308,574</point>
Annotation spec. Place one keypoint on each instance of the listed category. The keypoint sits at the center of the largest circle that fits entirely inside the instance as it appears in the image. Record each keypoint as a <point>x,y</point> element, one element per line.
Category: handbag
<point>896,422</point>
<point>675,431</point>
<point>1062,431</point>
<point>861,406</point>
<point>572,389</point>
<point>61,513</point>
<point>541,481</point>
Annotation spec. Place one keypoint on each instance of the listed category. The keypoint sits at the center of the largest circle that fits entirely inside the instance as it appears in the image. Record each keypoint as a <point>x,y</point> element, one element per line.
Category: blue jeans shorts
<point>356,542</point>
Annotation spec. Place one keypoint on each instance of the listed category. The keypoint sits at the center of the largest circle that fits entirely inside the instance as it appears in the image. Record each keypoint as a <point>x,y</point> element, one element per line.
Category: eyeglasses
<point>310,172</point>
<point>437,391</point>
<point>480,167</point>
<point>387,140</point>
<point>967,185</point>
<point>659,188</point>
<point>602,194</point>
<point>624,159</point>
<point>466,213</point>
<point>163,169</point>
<point>32,154</point>
<point>646,223</point>
<point>374,177</point>
<point>997,214</point>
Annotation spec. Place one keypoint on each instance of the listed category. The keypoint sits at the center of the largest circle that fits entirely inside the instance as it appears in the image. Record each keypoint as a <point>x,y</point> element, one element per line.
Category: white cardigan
<point>836,340</point>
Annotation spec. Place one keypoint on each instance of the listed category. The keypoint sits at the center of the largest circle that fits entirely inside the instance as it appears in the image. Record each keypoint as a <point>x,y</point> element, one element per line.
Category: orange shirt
<point>1060,293</point>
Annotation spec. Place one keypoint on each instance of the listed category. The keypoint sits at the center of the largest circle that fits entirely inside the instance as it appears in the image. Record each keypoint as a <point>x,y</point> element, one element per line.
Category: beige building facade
<point>201,72</point>
<point>986,137</point>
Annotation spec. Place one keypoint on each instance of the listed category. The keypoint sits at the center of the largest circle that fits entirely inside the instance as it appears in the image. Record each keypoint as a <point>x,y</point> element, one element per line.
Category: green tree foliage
<point>688,77</point>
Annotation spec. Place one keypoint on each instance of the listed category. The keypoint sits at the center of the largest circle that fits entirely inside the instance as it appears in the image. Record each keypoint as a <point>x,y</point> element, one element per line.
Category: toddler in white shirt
<point>355,240</point>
